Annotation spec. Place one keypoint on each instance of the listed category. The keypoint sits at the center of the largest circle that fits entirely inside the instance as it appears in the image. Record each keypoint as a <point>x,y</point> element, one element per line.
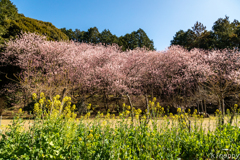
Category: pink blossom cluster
<point>98,69</point>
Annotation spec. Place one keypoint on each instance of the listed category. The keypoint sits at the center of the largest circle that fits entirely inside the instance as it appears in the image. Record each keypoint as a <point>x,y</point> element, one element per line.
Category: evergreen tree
<point>93,35</point>
<point>143,39</point>
<point>224,34</point>
<point>106,37</point>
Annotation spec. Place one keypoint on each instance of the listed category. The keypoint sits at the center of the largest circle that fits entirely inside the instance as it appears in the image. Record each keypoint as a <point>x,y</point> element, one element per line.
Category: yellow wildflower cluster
<point>195,114</point>
<point>217,112</point>
<point>54,107</point>
<point>87,115</point>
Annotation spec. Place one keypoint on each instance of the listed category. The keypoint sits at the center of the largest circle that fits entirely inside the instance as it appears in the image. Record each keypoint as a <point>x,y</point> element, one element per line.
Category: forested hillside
<point>12,24</point>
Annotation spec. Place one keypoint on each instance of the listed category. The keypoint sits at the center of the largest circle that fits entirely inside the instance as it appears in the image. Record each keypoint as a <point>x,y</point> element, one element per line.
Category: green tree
<point>8,12</point>
<point>186,39</point>
<point>206,40</point>
<point>114,39</point>
<point>224,33</point>
<point>128,41</point>
<point>198,28</point>
<point>77,35</point>
<point>143,39</point>
<point>93,35</point>
<point>106,37</point>
<point>136,39</point>
<point>70,33</point>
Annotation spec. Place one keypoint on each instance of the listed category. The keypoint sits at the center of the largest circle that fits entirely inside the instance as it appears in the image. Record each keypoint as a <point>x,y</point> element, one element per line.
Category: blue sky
<point>160,19</point>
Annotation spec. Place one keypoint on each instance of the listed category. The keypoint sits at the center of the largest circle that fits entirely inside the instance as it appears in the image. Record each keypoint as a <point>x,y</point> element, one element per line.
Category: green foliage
<point>8,12</point>
<point>58,135</point>
<point>26,24</point>
<point>129,41</point>
<point>136,39</point>
<point>224,34</point>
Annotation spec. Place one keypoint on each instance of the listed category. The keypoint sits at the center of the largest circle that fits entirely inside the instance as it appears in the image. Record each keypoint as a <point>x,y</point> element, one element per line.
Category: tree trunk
<point>205,106</point>
<point>147,109</point>
<point>202,106</point>
<point>152,91</point>
<point>198,107</point>
<point>219,105</point>
<point>105,101</point>
<point>129,100</point>
<point>223,107</point>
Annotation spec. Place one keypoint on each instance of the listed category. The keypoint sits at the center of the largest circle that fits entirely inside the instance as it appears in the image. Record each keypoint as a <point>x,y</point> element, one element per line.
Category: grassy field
<point>207,123</point>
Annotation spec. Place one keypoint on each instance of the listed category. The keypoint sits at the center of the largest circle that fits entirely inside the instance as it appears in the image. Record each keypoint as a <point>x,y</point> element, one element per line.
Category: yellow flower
<point>90,136</point>
<point>58,96</point>
<point>179,110</point>
<point>128,107</point>
<point>152,104</point>
<point>123,105</point>
<point>80,139</point>
<point>89,106</point>
<point>182,116</point>
<point>34,96</point>
<point>158,105</point>
<point>20,110</point>
<point>41,95</point>
<point>104,123</point>
<point>235,106</point>
<point>120,115</point>
<point>127,112</point>
<point>73,107</point>
<point>154,99</point>
<point>195,111</point>
<point>41,101</point>
<point>139,111</point>
<point>137,116</point>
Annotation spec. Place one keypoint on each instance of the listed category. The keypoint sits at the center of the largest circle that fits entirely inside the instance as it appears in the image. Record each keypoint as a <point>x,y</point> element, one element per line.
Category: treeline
<point>224,34</point>
<point>129,41</point>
